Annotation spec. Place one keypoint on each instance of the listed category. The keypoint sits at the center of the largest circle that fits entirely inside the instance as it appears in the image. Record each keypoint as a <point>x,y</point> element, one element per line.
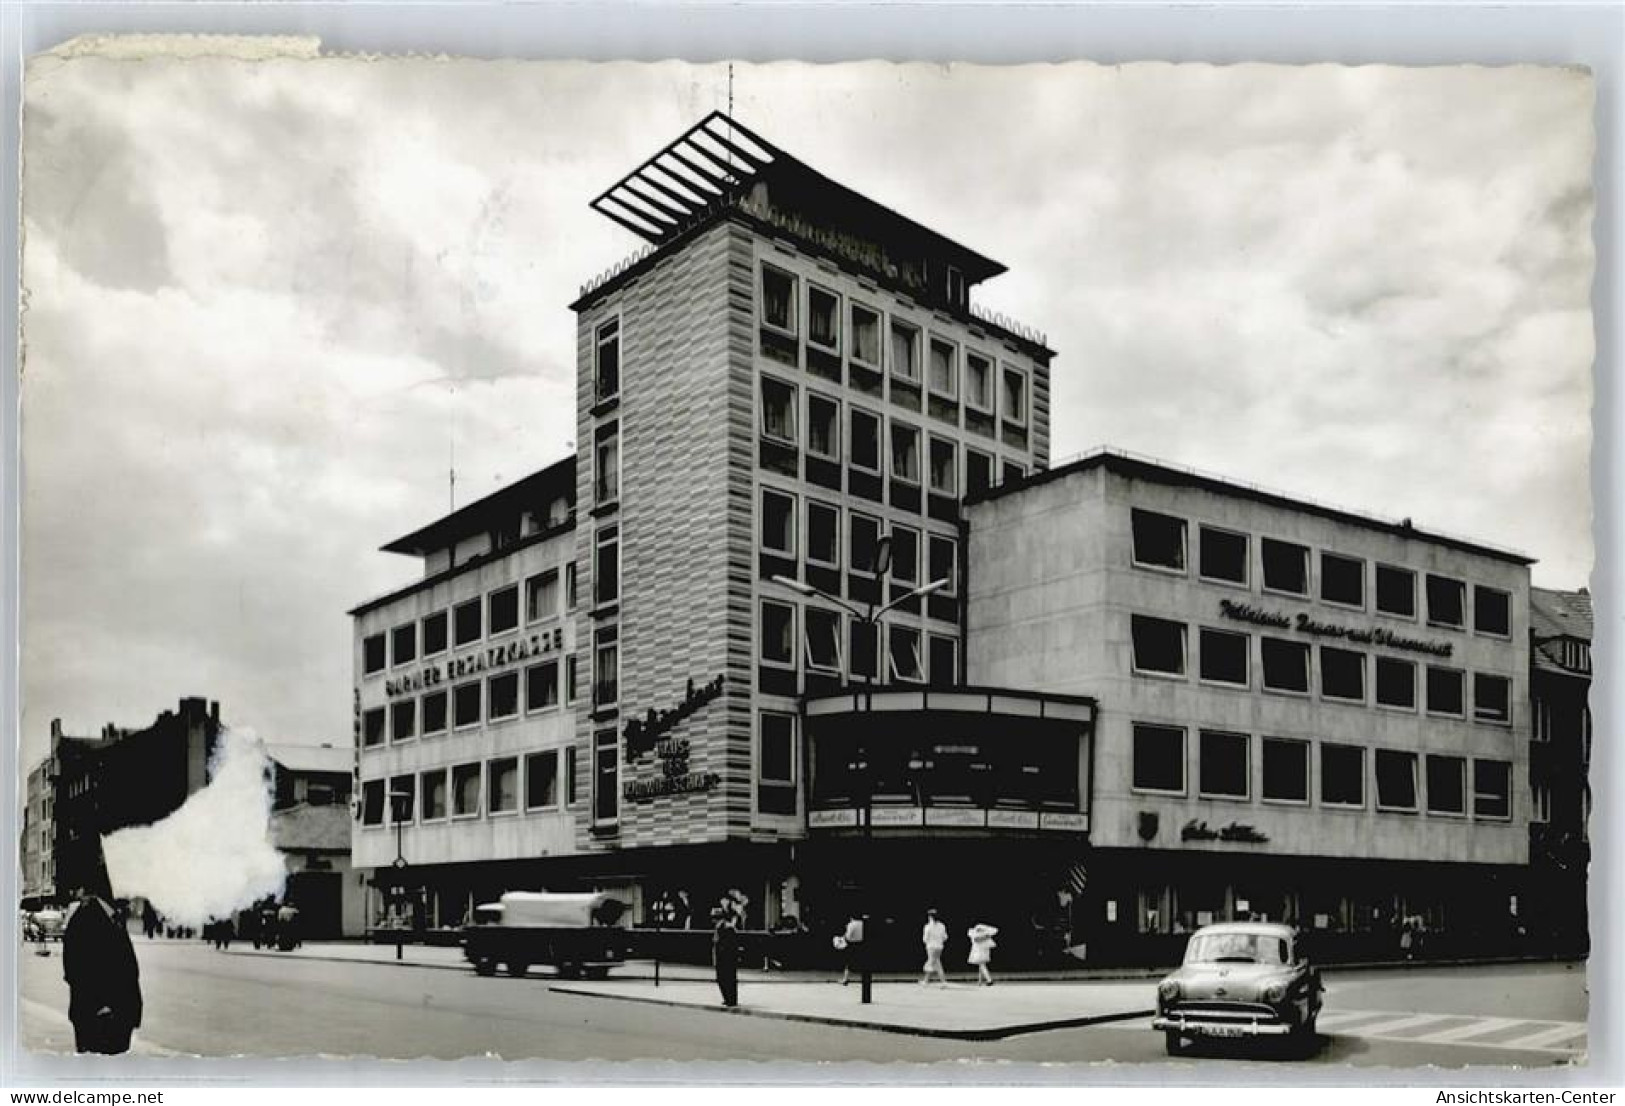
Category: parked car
<point>45,924</point>
<point>579,934</point>
<point>1243,980</point>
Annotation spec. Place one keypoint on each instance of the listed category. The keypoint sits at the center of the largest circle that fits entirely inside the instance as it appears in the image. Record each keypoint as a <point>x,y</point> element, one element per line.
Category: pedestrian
<point>149,920</point>
<point>725,951</point>
<point>850,943</point>
<point>104,980</point>
<point>935,938</point>
<point>981,951</point>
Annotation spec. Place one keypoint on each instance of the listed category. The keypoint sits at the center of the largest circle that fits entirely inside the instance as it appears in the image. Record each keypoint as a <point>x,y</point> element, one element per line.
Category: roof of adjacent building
<point>317,828</point>
<point>1556,617</point>
<point>1125,463</point>
<point>312,758</point>
<point>510,502</point>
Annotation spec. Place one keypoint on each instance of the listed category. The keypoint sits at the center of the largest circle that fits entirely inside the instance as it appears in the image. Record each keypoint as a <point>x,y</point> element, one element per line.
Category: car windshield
<point>1236,948</point>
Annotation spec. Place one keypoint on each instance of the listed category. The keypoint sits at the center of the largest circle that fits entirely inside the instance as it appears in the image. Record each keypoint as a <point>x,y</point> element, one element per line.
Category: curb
<point>998,1033</point>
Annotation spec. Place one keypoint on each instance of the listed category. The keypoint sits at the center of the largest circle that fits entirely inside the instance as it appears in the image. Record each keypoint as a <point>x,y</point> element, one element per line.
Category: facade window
<point>1224,767</point>
<point>434,712</point>
<point>1492,611</point>
<point>904,652</point>
<point>465,704</point>
<point>607,464</point>
<point>823,534</point>
<point>978,472</point>
<point>504,693</point>
<point>1223,556</point>
<point>863,649</point>
<point>778,523</point>
<point>572,690</point>
<point>778,299</point>
<point>865,439</point>
<point>1159,645</point>
<point>542,595</point>
<point>372,803</point>
<point>1446,691</point>
<point>944,467</point>
<point>1286,566</point>
<point>542,685</point>
<point>1396,683</point>
<point>1396,591</point>
<point>1447,785</point>
<point>572,595</point>
<point>1492,789</point>
<point>1540,802</point>
<point>1286,665</point>
<point>502,786</point>
<point>403,643</point>
<point>944,659</point>
<point>1446,600</point>
<point>1492,698</point>
<point>1159,759</point>
<point>542,780</point>
<point>823,318</point>
<point>467,621</point>
<point>864,535</point>
<point>905,350</point>
<point>944,562</point>
<point>1159,540</point>
<point>1342,674</point>
<point>402,797</point>
<point>1015,396</point>
<point>1540,731</point>
<point>1396,779</point>
<point>978,382</point>
<point>606,667</point>
<point>607,361</point>
<point>606,777</point>
<point>778,634</point>
<point>606,569</point>
<point>905,453</point>
<point>403,720</point>
<point>505,609</point>
<point>372,726</point>
<point>1224,657</point>
<point>1342,580</point>
<point>465,790</point>
<point>1013,472</point>
<point>942,379</point>
<point>436,797</point>
<point>1342,775</point>
<point>372,654</point>
<point>434,634</point>
<point>865,336</point>
<point>823,639</point>
<point>905,554</point>
<point>778,410</point>
<point>823,427</point>
<point>1286,770</point>
<point>777,761</point>
<point>572,777</point>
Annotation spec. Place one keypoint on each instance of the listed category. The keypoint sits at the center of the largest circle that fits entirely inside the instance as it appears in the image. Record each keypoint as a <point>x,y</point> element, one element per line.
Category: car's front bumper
<point>1202,1025</point>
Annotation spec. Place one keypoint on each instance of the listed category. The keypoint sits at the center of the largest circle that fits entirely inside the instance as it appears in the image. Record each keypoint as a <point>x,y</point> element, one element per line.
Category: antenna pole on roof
<point>451,470</point>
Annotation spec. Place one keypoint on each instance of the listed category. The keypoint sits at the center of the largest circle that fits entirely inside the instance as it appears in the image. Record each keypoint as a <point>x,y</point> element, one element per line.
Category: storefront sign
<point>642,733</point>
<point>954,816</point>
<point>895,816</point>
<point>1303,624</point>
<point>1012,819</point>
<point>1078,823</point>
<point>1235,831</point>
<point>831,819</point>
<point>675,778</point>
<point>489,659</point>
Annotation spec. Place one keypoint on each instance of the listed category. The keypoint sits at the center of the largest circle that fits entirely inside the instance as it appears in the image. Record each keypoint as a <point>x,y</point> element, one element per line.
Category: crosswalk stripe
<point>1478,1028</point>
<point>1387,1028</point>
<point>1546,1037</point>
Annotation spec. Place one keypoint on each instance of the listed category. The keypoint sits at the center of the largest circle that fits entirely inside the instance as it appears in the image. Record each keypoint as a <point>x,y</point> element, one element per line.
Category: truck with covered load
<point>578,934</point>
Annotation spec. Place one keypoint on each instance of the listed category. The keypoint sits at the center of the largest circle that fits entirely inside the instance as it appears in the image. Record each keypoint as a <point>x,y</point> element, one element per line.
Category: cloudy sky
<point>264,300</point>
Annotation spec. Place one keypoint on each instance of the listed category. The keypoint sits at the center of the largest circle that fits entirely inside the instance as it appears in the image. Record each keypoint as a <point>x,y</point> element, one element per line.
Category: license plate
<point>1223,1031</point>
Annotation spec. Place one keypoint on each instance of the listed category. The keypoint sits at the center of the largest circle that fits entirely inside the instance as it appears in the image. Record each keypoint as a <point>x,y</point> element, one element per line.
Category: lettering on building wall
<point>490,659</point>
<point>642,734</point>
<point>1304,624</point>
<point>675,777</point>
<point>1235,831</point>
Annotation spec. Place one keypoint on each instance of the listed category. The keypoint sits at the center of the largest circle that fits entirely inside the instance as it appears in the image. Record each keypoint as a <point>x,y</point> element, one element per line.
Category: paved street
<point>200,1001</point>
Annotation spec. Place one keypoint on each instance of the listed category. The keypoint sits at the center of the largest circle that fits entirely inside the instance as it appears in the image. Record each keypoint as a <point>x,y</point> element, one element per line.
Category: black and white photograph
<point>862,563</point>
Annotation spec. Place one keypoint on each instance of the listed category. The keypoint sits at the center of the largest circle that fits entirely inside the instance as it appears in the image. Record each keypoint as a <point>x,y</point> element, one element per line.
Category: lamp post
<point>870,618</point>
<point>397,802</point>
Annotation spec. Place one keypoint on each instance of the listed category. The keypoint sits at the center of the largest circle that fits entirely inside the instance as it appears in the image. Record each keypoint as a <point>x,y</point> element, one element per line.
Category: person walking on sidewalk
<point>725,951</point>
<point>851,945</point>
<point>104,980</point>
<point>981,951</point>
<point>935,938</point>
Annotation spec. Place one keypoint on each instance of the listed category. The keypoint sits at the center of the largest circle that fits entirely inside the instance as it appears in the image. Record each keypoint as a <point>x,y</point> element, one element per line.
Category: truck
<point>580,934</point>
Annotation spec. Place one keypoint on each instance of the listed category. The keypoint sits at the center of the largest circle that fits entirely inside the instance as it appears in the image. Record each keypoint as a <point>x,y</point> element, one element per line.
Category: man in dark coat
<point>725,950</point>
<point>104,980</point>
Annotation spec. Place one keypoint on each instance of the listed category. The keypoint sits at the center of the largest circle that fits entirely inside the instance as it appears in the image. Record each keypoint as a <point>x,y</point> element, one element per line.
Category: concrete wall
<point>1053,589</point>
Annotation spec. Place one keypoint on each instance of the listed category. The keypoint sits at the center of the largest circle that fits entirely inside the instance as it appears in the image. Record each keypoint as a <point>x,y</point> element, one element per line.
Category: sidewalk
<point>43,1028</point>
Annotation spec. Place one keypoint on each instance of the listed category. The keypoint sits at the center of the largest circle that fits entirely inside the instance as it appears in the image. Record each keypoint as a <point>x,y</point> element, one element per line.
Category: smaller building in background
<point>39,834</point>
<point>310,825</point>
<point>1560,625</point>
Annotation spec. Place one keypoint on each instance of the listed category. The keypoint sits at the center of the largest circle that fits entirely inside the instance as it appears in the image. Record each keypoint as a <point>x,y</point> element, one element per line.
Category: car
<point>45,924</point>
<point>1244,980</point>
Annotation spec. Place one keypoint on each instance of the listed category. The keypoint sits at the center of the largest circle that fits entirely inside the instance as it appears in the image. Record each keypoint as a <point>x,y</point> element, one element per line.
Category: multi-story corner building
<point>1560,628</point>
<point>1305,714</point>
<point>39,833</point>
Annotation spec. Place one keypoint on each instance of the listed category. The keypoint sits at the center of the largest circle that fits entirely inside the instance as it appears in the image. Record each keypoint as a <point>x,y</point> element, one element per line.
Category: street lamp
<point>398,801</point>
<point>870,618</point>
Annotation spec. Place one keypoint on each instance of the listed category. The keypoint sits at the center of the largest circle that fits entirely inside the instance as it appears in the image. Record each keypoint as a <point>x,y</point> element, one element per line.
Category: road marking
<point>1479,1027</point>
<point>1547,1038</point>
<point>1391,1027</point>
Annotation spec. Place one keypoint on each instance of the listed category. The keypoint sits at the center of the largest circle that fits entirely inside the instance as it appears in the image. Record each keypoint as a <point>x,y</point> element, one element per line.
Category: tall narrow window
<point>944,562</point>
<point>823,639</point>
<point>778,523</point>
<point>1396,780</point>
<point>372,802</point>
<point>1396,591</point>
<point>944,660</point>
<point>403,644</point>
<point>373,657</point>
<point>542,686</point>
<point>542,780</point>
<point>434,633</point>
<point>864,533</point>
<point>865,336</point>
<point>1286,567</point>
<point>436,798</point>
<point>606,784</point>
<point>465,702</point>
<point>778,634</point>
<point>778,410</point>
<point>905,350</point>
<point>823,318</point>
<point>823,534</point>
<point>905,453</point>
<point>1342,775</point>
<point>777,763</point>
<point>606,572</point>
<point>778,299</point>
<point>403,720</point>
<point>572,597</point>
<point>904,649</point>
<point>905,554</point>
<point>607,361</point>
<point>978,382</point>
<point>502,786</point>
<point>503,696</point>
<point>1159,540</point>
<point>504,609</point>
<point>1492,789</point>
<point>467,617</point>
<point>978,472</point>
<point>434,713</point>
<point>403,793</point>
<point>1015,397</point>
<point>944,379</point>
<point>465,791</point>
<point>1447,785</point>
<point>607,464</point>
<point>542,595</point>
<point>865,441</point>
<point>606,666</point>
<point>862,638</point>
<point>372,726</point>
<point>823,427</point>
<point>944,467</point>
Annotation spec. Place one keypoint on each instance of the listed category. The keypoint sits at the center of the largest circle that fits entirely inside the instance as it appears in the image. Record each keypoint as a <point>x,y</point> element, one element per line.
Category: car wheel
<point>485,967</point>
<point>1171,1041</point>
<point>517,968</point>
